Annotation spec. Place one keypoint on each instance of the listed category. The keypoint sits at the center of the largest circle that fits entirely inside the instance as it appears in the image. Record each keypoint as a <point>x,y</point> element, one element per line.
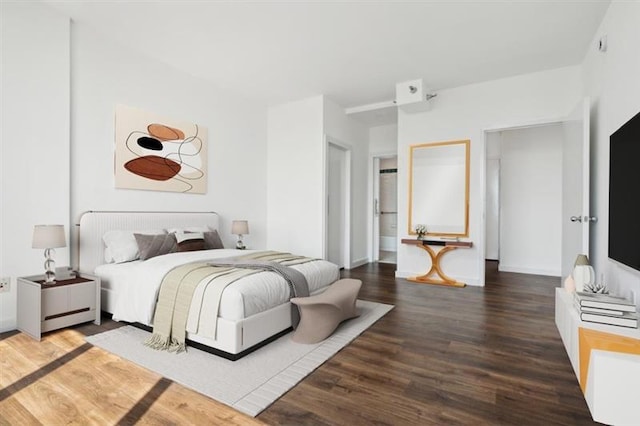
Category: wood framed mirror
<point>439,188</point>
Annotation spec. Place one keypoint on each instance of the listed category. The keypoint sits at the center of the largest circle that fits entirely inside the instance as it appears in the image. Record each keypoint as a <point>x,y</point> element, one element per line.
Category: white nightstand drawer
<point>68,299</point>
<point>54,303</point>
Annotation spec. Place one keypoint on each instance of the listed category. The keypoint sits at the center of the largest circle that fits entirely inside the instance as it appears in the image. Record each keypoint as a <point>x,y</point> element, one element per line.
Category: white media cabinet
<point>613,381</point>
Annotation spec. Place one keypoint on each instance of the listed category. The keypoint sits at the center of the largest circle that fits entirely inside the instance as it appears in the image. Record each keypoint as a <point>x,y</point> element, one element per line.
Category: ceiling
<point>353,52</point>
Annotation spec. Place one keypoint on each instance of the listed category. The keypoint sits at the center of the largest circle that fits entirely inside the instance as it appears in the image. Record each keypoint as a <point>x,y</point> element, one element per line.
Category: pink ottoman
<point>321,314</point>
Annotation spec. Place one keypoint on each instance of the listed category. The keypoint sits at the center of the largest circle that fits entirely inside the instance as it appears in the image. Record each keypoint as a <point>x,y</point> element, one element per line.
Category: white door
<point>492,244</point>
<point>575,186</point>
<point>336,194</point>
<point>376,209</point>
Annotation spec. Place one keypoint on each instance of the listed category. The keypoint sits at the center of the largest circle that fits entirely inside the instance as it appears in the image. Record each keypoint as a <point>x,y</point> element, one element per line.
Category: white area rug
<point>252,383</point>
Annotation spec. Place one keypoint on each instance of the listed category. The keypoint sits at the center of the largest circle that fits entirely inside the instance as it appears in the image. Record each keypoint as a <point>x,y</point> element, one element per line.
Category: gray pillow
<point>155,245</point>
<point>212,240</point>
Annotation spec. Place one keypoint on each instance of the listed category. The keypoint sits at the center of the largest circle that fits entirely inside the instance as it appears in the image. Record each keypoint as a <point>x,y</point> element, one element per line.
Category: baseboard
<point>405,274</point>
<point>359,262</point>
<point>8,325</point>
<point>525,270</point>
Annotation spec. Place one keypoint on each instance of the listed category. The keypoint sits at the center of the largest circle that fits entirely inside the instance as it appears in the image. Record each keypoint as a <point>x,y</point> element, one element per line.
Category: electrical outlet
<point>4,284</point>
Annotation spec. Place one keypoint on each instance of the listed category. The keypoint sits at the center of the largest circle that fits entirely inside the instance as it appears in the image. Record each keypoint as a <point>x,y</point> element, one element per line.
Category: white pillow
<point>122,245</point>
<point>188,229</point>
<point>190,235</point>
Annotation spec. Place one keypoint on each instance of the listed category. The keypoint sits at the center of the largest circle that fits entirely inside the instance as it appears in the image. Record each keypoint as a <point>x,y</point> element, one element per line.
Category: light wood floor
<point>471,356</point>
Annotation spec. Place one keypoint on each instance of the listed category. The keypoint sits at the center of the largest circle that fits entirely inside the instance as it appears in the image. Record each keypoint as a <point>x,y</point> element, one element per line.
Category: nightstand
<point>45,307</point>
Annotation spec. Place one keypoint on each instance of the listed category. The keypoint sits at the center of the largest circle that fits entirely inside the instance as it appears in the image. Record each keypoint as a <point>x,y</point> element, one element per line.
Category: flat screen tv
<point>624,194</point>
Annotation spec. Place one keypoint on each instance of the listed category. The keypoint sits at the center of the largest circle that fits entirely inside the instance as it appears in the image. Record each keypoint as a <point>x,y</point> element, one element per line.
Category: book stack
<point>606,309</point>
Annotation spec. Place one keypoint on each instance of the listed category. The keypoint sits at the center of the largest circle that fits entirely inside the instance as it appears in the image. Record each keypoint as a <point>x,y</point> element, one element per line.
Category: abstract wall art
<point>159,154</point>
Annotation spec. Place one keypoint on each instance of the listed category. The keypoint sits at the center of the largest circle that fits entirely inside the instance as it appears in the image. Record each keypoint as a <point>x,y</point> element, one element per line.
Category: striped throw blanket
<point>179,286</point>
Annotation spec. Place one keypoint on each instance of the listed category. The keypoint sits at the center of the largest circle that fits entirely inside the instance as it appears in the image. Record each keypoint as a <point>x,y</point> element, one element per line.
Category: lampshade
<point>48,236</point>
<point>240,227</point>
<point>582,259</point>
<point>583,273</point>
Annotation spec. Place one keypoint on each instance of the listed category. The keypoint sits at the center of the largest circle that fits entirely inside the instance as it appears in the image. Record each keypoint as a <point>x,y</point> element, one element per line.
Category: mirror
<point>439,188</point>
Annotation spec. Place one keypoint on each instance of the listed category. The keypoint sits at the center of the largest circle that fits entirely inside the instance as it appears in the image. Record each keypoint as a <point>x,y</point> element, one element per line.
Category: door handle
<point>584,219</point>
<point>375,207</point>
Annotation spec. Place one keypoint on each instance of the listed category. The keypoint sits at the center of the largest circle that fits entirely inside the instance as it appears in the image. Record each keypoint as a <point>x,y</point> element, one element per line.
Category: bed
<point>253,310</point>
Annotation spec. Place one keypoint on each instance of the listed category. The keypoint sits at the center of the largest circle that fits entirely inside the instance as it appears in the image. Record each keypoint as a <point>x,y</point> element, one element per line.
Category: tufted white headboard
<point>94,224</point>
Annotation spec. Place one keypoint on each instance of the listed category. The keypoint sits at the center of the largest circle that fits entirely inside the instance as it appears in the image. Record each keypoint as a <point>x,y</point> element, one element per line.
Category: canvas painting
<point>159,154</point>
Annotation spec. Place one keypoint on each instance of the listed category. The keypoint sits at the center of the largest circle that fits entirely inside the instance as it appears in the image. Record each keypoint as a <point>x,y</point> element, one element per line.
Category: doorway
<point>338,196</point>
<point>524,199</point>
<point>542,190</point>
<point>385,198</point>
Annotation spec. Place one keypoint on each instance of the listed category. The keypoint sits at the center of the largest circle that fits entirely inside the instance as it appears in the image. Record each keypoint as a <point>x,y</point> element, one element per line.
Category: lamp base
<point>49,266</point>
<point>240,245</point>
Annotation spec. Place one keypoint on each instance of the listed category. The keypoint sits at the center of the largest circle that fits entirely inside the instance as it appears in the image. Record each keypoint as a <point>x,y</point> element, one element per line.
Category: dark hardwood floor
<point>446,356</point>
<point>443,356</point>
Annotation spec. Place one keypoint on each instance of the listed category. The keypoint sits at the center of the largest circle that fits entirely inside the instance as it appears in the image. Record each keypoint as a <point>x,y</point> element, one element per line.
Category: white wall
<point>61,82</point>
<point>106,73</point>
<point>339,126</point>
<point>34,171</point>
<point>612,81</point>
<point>465,113</point>
<point>383,139</point>
<point>531,200</point>
<point>295,177</point>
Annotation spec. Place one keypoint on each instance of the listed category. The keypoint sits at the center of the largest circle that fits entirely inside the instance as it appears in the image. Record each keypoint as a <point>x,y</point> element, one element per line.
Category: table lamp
<point>49,237</point>
<point>583,273</point>
<point>240,228</point>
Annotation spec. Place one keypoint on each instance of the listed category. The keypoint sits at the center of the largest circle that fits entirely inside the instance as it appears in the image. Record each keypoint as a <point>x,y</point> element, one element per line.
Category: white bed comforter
<point>137,285</point>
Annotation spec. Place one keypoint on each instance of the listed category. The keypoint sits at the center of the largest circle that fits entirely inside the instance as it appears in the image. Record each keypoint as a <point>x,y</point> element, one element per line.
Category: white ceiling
<point>354,52</point>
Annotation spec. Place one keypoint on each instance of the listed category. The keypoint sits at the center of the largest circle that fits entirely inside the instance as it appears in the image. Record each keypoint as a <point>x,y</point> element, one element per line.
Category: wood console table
<point>447,246</point>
